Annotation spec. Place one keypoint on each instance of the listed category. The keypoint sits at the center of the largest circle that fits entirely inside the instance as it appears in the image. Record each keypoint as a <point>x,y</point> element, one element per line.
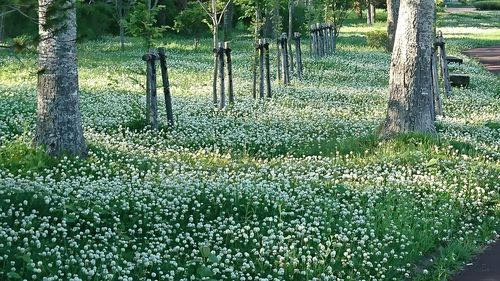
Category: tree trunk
<point>215,33</point>
<point>2,11</point>
<point>290,32</point>
<point>392,21</point>
<point>228,21</point>
<point>410,102</point>
<point>369,16</point>
<point>59,122</point>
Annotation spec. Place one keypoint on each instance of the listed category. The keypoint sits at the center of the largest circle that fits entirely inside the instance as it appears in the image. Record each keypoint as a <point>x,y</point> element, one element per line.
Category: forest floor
<point>295,187</point>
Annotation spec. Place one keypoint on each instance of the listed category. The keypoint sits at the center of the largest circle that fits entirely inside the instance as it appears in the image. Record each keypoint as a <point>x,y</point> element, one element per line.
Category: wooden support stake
<point>154,96</point>
<point>166,87</point>
<point>268,70</point>
<point>298,54</point>
<point>435,84</point>
<point>444,65</point>
<point>214,78</point>
<point>320,40</point>
<point>146,58</point>
<point>312,47</point>
<point>254,70</point>
<point>151,97</point>
<point>324,30</point>
<point>261,68</point>
<point>220,54</point>
<point>278,59</point>
<point>227,49</point>
<point>285,66</point>
<point>334,39</point>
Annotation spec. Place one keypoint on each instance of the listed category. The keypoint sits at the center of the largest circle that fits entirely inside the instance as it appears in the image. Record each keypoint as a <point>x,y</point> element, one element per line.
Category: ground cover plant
<point>296,187</point>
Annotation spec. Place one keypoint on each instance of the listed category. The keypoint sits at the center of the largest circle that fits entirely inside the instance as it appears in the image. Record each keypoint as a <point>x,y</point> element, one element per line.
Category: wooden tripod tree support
<point>298,55</point>
<point>438,105</point>
<point>220,96</point>
<point>166,87</point>
<point>313,45</point>
<point>322,40</point>
<point>262,48</point>
<point>285,66</point>
<point>151,95</point>
<point>439,44</point>
<point>227,50</point>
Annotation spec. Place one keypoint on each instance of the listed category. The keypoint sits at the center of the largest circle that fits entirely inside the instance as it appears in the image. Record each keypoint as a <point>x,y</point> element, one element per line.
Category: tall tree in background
<point>410,101</point>
<point>59,122</point>
<point>392,21</point>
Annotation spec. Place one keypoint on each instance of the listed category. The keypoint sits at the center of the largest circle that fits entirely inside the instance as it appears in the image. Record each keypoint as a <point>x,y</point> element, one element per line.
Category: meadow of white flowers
<point>269,190</point>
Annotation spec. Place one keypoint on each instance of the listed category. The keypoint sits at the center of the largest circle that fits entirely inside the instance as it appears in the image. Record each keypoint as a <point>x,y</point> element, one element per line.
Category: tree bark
<point>392,21</point>
<point>369,16</point>
<point>228,21</point>
<point>410,102</point>
<point>59,122</point>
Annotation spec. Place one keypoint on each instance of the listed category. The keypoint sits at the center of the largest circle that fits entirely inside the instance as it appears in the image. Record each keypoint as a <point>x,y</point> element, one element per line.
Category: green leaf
<point>205,251</point>
<point>432,162</point>
<point>13,275</point>
<point>213,258</point>
<point>204,271</point>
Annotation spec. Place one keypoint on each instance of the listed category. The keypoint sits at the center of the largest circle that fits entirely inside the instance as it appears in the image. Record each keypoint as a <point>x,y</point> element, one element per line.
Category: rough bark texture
<point>59,122</point>
<point>410,102</point>
<point>392,21</point>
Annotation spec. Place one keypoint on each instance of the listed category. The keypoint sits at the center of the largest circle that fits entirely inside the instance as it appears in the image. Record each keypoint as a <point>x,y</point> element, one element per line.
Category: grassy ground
<point>296,187</point>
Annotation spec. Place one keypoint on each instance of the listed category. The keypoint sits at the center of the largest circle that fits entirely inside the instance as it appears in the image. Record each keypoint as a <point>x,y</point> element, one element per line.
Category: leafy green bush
<point>377,39</point>
<point>142,23</point>
<point>192,20</point>
<point>487,5</point>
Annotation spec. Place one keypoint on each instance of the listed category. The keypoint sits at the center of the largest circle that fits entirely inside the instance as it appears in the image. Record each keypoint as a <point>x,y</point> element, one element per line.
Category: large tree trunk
<point>59,122</point>
<point>392,21</point>
<point>410,102</point>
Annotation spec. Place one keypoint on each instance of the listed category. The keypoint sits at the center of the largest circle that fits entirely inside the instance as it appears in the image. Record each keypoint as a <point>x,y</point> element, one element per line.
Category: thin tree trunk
<point>215,30</point>
<point>410,102</point>
<point>2,24</point>
<point>228,21</point>
<point>392,21</point>
<point>256,52</point>
<point>369,12</point>
<point>290,32</point>
<point>59,122</point>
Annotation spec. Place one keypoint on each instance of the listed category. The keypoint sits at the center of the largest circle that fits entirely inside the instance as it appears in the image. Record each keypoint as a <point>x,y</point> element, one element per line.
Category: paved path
<point>485,267</point>
<point>459,10</point>
<point>490,57</point>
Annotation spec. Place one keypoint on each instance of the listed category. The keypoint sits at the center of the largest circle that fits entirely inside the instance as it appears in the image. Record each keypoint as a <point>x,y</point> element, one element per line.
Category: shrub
<point>487,5</point>
<point>192,20</point>
<point>377,39</point>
